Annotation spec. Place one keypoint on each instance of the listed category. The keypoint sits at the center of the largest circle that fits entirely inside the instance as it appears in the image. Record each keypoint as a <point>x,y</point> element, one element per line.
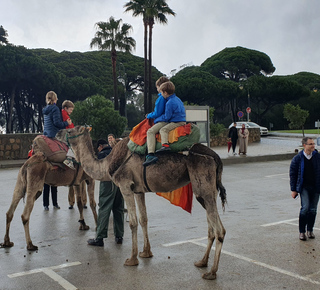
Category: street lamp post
<point>248,108</point>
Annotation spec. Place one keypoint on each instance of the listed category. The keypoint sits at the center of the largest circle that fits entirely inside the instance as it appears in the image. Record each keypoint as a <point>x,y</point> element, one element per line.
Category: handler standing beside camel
<point>110,199</point>
<point>305,179</point>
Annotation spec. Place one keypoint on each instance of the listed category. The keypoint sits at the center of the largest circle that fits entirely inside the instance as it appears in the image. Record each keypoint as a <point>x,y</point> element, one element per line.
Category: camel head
<point>78,138</point>
<point>68,135</point>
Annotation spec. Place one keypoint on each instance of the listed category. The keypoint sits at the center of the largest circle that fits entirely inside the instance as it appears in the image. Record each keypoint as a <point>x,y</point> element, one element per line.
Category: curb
<point>262,158</point>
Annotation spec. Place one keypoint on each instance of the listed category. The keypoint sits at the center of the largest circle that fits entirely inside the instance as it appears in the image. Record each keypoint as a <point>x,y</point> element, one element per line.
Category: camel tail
<point>220,187</point>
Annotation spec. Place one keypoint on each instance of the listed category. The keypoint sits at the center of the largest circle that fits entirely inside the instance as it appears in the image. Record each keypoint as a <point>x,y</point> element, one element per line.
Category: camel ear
<point>89,128</point>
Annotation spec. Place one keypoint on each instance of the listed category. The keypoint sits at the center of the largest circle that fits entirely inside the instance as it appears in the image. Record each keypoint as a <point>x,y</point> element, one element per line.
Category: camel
<point>202,167</point>
<point>31,177</point>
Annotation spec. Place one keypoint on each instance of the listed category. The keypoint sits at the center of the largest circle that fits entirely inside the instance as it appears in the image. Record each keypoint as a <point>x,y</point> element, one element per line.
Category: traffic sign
<point>240,114</point>
<point>248,110</point>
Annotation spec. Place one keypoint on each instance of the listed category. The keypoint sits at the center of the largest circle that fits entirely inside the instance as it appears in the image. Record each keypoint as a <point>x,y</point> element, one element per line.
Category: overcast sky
<point>286,30</point>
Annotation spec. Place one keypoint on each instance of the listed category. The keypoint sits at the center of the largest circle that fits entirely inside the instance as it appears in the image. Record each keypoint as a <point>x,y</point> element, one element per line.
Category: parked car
<point>263,130</point>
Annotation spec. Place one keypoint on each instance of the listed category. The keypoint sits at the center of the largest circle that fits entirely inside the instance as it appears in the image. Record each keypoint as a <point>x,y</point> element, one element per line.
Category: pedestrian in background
<point>233,136</point>
<point>305,180</point>
<point>243,139</point>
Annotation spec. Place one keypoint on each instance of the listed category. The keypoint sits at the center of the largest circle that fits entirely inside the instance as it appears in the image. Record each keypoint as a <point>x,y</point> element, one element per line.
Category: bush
<point>98,112</point>
<point>216,129</point>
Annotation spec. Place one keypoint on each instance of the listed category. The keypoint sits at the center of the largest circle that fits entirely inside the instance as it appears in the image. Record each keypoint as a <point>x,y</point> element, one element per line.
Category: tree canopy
<point>236,63</point>
<point>99,113</point>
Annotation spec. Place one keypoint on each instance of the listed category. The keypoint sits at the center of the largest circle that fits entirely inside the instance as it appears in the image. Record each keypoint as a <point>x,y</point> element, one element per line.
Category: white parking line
<point>280,222</point>
<point>276,175</point>
<point>270,267</point>
<point>53,275</point>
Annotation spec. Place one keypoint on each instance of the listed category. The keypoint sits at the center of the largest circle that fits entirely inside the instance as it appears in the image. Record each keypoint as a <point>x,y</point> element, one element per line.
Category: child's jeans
<point>163,128</point>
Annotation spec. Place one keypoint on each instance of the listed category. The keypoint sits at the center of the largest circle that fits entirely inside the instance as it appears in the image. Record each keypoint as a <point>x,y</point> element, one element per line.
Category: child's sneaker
<point>69,163</point>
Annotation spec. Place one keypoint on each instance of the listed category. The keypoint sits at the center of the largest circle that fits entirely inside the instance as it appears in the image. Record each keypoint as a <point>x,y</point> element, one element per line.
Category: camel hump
<point>51,148</point>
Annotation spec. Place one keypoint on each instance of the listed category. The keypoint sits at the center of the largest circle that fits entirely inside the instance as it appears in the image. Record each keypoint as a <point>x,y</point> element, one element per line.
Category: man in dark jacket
<point>233,135</point>
<point>110,199</point>
<point>305,180</point>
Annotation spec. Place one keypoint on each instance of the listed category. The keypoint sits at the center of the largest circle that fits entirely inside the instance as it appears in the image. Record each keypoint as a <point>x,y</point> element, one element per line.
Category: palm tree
<point>151,11</point>
<point>138,9</point>
<point>113,36</point>
<point>3,35</point>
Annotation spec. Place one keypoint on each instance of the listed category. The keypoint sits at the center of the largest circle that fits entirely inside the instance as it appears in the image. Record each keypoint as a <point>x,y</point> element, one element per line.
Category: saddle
<point>53,149</point>
<point>180,139</point>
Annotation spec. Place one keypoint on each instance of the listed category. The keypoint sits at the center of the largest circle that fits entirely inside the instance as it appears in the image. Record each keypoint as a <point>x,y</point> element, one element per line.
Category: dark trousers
<point>110,199</point>
<point>308,212</point>
<point>234,144</point>
<point>54,196</point>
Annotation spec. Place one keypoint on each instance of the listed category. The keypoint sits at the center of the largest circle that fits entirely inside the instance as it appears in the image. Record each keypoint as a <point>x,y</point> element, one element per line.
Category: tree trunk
<point>115,83</point>
<point>150,68</point>
<point>145,88</point>
<point>9,128</point>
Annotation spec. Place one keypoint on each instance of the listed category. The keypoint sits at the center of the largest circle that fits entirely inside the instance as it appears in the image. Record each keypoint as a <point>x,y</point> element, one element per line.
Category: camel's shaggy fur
<point>32,175</point>
<point>202,167</point>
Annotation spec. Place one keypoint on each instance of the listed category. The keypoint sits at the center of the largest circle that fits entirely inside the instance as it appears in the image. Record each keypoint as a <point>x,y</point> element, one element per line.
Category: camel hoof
<point>6,245</point>
<point>145,254</point>
<point>84,227</point>
<point>131,262</point>
<point>31,247</point>
<point>209,276</point>
<point>201,264</point>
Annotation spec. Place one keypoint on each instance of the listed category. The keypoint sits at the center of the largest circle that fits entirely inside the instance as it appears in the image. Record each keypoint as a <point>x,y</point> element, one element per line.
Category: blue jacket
<point>52,121</point>
<point>158,107</point>
<point>297,170</point>
<point>174,111</point>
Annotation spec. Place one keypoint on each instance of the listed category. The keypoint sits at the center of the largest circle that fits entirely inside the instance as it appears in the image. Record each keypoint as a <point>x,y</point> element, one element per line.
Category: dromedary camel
<point>31,177</point>
<point>203,167</point>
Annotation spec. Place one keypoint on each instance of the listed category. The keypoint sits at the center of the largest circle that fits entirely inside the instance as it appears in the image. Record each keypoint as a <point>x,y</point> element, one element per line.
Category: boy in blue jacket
<point>173,117</point>
<point>160,102</point>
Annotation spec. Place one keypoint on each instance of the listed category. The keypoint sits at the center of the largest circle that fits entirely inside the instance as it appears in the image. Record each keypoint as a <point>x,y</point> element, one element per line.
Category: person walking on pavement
<point>243,139</point>
<point>110,199</point>
<point>305,180</point>
<point>233,135</point>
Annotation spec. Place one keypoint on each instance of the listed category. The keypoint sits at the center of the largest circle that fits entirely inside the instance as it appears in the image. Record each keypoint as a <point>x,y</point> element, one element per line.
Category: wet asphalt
<point>261,248</point>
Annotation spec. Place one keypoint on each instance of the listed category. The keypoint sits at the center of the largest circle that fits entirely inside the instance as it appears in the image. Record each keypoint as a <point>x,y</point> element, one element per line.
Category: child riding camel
<point>173,117</point>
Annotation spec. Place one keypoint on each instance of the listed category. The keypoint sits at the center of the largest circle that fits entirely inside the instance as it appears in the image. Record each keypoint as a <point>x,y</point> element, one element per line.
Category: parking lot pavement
<point>261,248</point>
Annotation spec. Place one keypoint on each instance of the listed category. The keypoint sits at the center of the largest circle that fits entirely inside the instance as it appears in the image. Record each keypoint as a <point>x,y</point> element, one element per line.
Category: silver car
<point>263,130</point>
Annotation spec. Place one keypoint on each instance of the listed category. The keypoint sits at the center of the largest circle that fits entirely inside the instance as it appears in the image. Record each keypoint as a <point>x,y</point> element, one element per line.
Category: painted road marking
<point>53,275</point>
<point>276,175</point>
<point>280,222</point>
<point>270,267</point>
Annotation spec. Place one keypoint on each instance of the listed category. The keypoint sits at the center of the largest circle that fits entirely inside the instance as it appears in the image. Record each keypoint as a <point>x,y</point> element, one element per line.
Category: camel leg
<point>25,217</point>
<point>18,194</point>
<point>133,222</point>
<point>83,226</point>
<point>219,233</point>
<point>143,219</point>
<point>204,261</point>
<point>93,205</point>
<point>205,189</point>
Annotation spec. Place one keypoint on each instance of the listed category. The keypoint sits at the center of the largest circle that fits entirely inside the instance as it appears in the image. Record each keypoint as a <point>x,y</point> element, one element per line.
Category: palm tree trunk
<point>114,75</point>
<point>145,89</point>
<point>150,68</point>
<point>10,114</point>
